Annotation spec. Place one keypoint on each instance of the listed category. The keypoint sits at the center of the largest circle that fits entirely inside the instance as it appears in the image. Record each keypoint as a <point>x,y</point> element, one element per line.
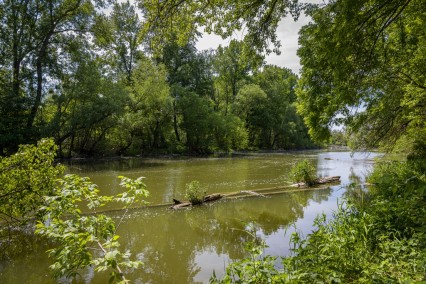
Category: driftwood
<point>252,193</point>
<point>212,197</point>
<point>322,180</point>
<point>181,205</point>
<point>208,198</point>
<point>327,180</point>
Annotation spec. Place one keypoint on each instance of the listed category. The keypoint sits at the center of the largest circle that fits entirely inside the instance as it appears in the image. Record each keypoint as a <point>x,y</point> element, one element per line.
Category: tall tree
<point>188,71</point>
<point>120,35</point>
<point>147,121</point>
<point>281,127</point>
<point>86,106</point>
<point>233,64</point>
<point>32,35</point>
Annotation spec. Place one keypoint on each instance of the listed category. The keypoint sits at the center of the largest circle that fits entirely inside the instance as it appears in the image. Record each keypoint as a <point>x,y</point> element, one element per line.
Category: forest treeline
<point>91,79</point>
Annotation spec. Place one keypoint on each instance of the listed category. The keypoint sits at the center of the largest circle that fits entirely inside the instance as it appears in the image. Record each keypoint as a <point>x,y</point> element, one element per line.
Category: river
<point>186,246</point>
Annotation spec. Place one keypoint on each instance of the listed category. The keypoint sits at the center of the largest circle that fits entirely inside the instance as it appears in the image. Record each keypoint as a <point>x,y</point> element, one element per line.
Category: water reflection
<point>168,241</point>
<point>185,246</point>
<point>166,179</point>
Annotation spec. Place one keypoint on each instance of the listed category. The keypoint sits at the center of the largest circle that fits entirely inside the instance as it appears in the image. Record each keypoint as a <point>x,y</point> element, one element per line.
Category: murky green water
<point>186,246</point>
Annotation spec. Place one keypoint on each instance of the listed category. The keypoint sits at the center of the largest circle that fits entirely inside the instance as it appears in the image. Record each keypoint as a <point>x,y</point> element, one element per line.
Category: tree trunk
<point>39,69</point>
<point>175,126</point>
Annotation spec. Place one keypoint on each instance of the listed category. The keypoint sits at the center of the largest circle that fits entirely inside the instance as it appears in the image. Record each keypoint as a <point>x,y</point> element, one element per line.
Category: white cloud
<point>287,33</point>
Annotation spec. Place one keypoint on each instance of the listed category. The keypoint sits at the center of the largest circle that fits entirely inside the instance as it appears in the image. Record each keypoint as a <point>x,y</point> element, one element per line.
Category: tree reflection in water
<point>168,241</point>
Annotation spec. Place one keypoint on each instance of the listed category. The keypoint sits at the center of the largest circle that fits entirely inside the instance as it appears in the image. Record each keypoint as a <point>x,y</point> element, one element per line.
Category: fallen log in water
<point>265,191</point>
<point>322,180</point>
<point>181,205</point>
<point>252,193</point>
<point>208,198</point>
<point>327,180</point>
<point>262,192</point>
<point>212,197</point>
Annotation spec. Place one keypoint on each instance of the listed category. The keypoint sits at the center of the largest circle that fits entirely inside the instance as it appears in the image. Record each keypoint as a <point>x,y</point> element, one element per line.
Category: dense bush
<point>351,249</point>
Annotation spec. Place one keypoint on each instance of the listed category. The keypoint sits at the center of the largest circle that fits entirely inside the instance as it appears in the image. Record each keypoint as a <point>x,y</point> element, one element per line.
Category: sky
<point>287,32</point>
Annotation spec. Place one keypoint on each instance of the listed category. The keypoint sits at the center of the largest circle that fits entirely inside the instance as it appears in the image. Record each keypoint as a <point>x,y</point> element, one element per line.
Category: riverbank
<point>91,159</point>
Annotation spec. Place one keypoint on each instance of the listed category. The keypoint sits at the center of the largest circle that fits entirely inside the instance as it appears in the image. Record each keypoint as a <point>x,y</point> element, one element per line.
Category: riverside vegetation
<point>114,84</point>
<point>378,235</point>
<point>35,200</point>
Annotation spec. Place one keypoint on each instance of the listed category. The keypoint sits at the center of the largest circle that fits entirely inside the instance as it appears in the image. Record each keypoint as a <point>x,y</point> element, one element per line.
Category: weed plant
<point>304,172</point>
<point>194,193</point>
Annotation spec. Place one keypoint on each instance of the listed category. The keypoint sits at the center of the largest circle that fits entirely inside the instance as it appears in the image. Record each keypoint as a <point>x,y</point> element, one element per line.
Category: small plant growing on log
<point>194,193</point>
<point>304,172</point>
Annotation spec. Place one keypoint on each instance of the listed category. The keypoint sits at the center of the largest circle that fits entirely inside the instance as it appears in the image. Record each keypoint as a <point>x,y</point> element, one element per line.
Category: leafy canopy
<point>258,19</point>
<point>364,67</point>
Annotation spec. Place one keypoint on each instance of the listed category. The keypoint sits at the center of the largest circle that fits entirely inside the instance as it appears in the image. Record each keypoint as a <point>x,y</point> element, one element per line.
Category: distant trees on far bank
<point>92,82</point>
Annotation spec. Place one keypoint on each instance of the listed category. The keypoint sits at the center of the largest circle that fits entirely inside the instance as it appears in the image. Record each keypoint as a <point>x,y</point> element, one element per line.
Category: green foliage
<point>382,240</point>
<point>277,125</point>
<point>82,239</point>
<point>338,138</point>
<point>37,42</point>
<point>66,211</point>
<point>90,74</point>
<point>250,101</point>
<point>197,122</point>
<point>119,34</point>
<point>25,178</point>
<point>230,133</point>
<point>233,67</point>
<point>350,249</point>
<point>83,110</point>
<point>147,117</point>
<point>259,19</point>
<point>304,172</point>
<point>399,190</point>
<point>194,193</point>
<point>363,66</point>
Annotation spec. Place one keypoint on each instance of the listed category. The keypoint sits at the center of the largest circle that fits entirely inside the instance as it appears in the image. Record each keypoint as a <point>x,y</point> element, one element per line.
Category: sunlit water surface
<point>186,246</point>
